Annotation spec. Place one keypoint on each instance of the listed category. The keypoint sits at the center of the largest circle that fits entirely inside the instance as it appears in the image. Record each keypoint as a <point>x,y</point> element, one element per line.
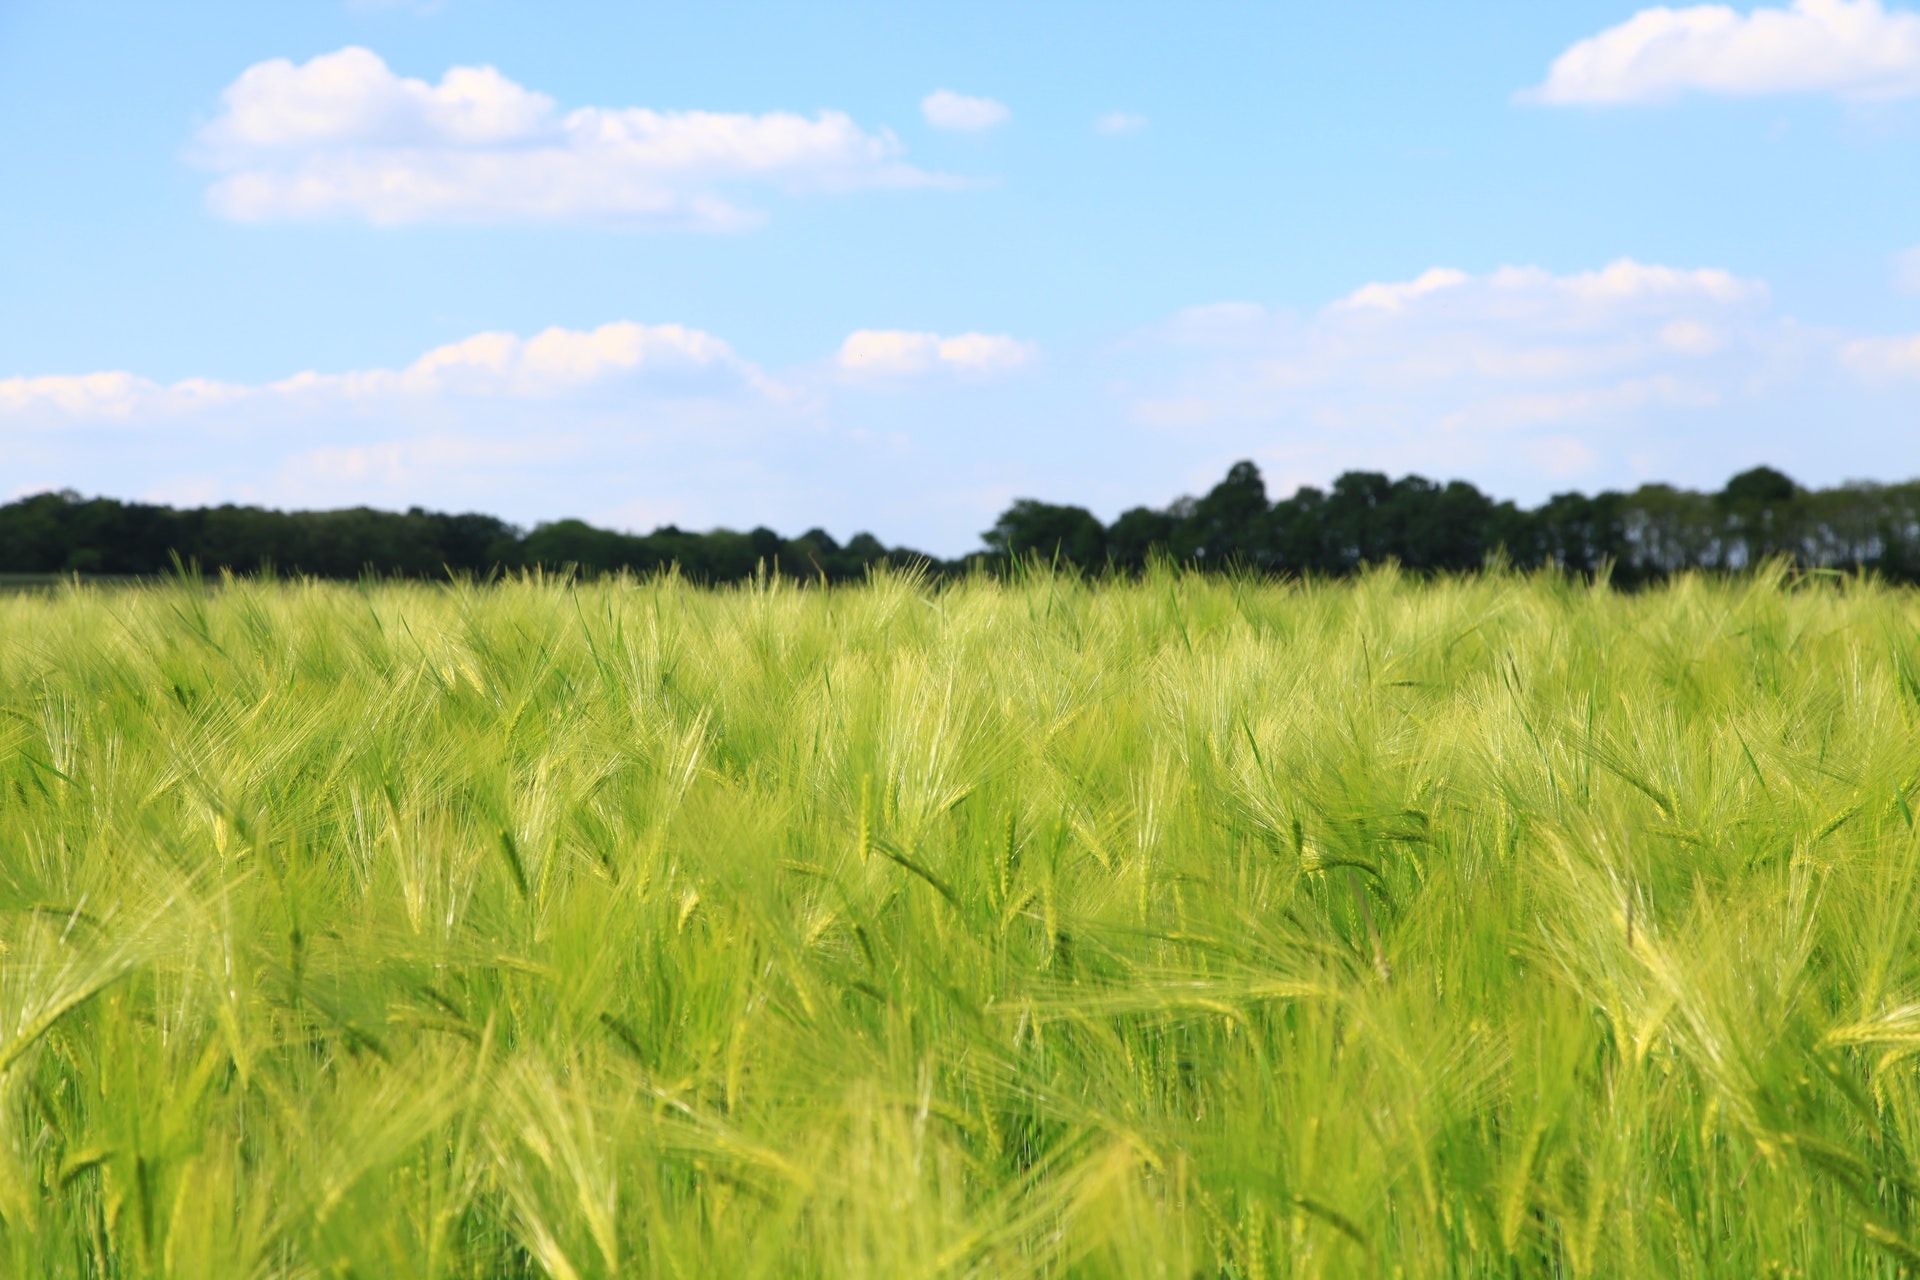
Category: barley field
<point>1184,927</point>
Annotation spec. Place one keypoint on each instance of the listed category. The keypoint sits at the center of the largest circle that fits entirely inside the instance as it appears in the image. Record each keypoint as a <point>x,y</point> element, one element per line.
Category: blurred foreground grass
<point>1191,927</point>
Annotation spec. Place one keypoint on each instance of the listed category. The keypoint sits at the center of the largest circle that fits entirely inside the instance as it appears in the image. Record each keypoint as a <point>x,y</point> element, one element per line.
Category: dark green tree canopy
<point>1366,517</point>
<point>1031,527</point>
<point>1762,486</point>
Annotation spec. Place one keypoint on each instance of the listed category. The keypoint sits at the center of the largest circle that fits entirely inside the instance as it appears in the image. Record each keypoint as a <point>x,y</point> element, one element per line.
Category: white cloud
<point>553,363</point>
<point>1521,379</point>
<point>1449,370</point>
<point>1501,291</point>
<point>1882,358</point>
<point>342,136</point>
<point>614,424</point>
<point>397,463</point>
<point>1854,48</point>
<point>1691,338</point>
<point>110,395</point>
<point>945,109</point>
<point>656,360</point>
<point>896,353</point>
<point>1114,123</point>
<point>1220,326</point>
<point>1396,297</point>
<point>1906,270</point>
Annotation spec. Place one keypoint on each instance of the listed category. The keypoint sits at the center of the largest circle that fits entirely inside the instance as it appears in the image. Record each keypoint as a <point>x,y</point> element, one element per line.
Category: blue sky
<point>889,266</point>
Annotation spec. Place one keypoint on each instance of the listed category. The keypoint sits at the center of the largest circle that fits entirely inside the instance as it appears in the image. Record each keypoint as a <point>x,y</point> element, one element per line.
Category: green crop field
<point>1187,927</point>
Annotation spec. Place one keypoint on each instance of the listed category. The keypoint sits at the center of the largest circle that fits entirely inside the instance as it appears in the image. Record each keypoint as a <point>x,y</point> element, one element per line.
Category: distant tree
<point>1297,533</point>
<point>1515,534</point>
<point>1759,487</point>
<point>814,554</point>
<point>864,548</point>
<point>1229,525</point>
<point>1031,527</point>
<point>1573,532</point>
<point>1426,526</point>
<point>863,551</point>
<point>1761,511</point>
<point>1356,533</point>
<point>1665,530</point>
<point>577,544</point>
<point>1137,534</point>
<point>1655,531</point>
<point>766,545</point>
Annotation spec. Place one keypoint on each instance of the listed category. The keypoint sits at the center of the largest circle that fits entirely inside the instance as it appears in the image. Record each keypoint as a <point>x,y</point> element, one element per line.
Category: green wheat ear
<point>1051,927</point>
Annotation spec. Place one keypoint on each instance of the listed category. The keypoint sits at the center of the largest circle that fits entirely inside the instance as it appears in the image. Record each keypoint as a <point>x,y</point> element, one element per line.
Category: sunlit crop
<point>1185,927</point>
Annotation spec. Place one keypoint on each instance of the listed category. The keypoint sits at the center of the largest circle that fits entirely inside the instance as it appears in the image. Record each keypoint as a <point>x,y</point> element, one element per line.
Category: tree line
<point>1366,518</point>
<point>65,533</point>
<point>1363,518</point>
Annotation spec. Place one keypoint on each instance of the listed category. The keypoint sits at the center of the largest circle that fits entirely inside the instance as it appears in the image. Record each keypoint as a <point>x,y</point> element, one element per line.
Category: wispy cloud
<point>1906,270</point>
<point>1516,372</point>
<point>891,354</point>
<point>1518,377</point>
<point>1513,328</point>
<point>599,422</point>
<point>1852,48</point>
<point>1884,358</point>
<point>957,113</point>
<point>1115,123</point>
<point>343,137</point>
<point>633,359</point>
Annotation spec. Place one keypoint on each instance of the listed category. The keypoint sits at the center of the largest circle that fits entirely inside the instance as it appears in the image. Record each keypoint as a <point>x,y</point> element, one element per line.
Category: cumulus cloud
<point>109,395</point>
<point>656,360</point>
<point>873,354</point>
<point>1511,289</point>
<point>956,112</point>
<point>1396,297</point>
<point>394,464</point>
<point>1114,123</point>
<point>553,363</point>
<point>1450,369</point>
<point>620,424</point>
<point>1854,48</point>
<point>1882,358</point>
<point>342,136</point>
<point>1906,270</point>
<point>1522,379</point>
